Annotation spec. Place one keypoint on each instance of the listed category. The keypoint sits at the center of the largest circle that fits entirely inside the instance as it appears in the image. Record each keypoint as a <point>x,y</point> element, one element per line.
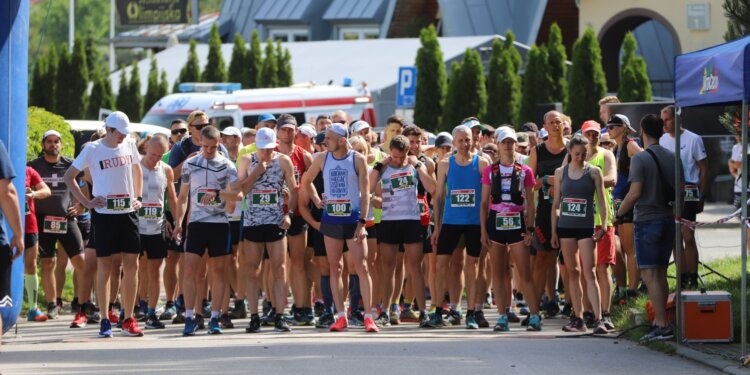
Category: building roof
<point>284,10</point>
<point>356,10</point>
<point>157,36</point>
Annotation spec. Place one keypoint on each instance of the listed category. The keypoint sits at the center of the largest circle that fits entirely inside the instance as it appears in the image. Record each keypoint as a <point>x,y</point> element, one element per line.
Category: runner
<point>114,165</point>
<point>506,185</point>
<point>9,208</point>
<point>344,216</point>
<point>35,189</point>
<point>158,179</point>
<point>178,130</point>
<point>575,186</point>
<point>458,183</point>
<point>231,139</point>
<point>401,221</point>
<point>204,178</point>
<point>306,137</point>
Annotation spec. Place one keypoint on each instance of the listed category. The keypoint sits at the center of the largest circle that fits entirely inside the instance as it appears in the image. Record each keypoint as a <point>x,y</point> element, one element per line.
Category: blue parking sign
<point>406,91</point>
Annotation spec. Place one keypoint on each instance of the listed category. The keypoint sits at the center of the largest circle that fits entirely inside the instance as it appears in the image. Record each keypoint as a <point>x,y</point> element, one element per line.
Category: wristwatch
<point>139,199</point>
<point>529,229</point>
<point>362,221</point>
<point>418,165</point>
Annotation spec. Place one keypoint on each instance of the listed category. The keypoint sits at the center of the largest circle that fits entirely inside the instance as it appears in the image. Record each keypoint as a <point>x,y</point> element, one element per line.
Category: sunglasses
<point>612,126</point>
<point>199,126</point>
<point>179,131</point>
<point>607,143</point>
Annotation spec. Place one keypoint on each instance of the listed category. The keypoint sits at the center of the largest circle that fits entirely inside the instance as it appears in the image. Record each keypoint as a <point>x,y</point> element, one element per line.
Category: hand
<point>319,203</point>
<point>485,239</point>
<point>434,238</point>
<point>388,159</point>
<point>208,197</point>
<point>177,233</point>
<point>599,234</point>
<point>29,194</point>
<point>97,202</point>
<point>16,246</point>
<point>285,193</point>
<point>360,234</point>
<point>412,160</point>
<point>259,168</point>
<point>75,210</point>
<point>554,241</point>
<point>286,222</point>
<point>616,221</point>
<point>527,238</point>
<point>136,204</point>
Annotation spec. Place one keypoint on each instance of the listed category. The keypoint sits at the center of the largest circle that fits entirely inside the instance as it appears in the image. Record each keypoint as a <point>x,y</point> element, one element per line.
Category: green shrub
<point>39,121</point>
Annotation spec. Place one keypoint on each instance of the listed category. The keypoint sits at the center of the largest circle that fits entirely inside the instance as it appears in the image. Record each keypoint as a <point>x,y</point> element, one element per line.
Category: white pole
<point>71,25</point>
<point>112,36</point>
<point>743,236</point>
<point>678,255</point>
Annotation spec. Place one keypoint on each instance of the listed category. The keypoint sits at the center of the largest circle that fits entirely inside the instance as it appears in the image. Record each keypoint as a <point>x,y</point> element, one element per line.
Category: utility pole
<point>71,25</point>
<point>111,36</point>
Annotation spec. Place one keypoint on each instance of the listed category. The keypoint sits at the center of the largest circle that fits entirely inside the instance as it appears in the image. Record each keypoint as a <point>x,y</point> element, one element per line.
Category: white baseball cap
<point>231,130</point>
<point>51,132</point>
<point>308,130</point>
<point>360,125</point>
<point>265,138</point>
<point>504,132</point>
<point>339,129</point>
<point>118,121</point>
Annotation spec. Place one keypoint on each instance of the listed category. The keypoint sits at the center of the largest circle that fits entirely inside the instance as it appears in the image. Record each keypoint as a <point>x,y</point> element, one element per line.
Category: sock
<point>478,307</point>
<point>394,307</point>
<point>325,287</point>
<point>342,314</point>
<point>189,313</point>
<point>214,314</point>
<point>355,295</point>
<point>170,304</point>
<point>407,306</point>
<point>31,284</point>
<point>368,316</point>
<point>151,311</point>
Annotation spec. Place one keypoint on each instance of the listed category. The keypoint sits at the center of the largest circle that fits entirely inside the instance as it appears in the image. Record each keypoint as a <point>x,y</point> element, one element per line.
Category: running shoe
<point>280,325</point>
<point>152,322</point>
<point>383,320</point>
<point>607,320</point>
<point>502,324</point>
<point>79,321</point>
<point>576,324</point>
<point>190,327</point>
<point>206,308</point>
<point>214,328</point>
<point>179,318</point>
<point>319,308</point>
<point>470,322</point>
<point>226,321</point>
<point>454,317</point>
<point>423,319</point>
<point>370,325</point>
<point>409,315</point>
<point>480,319</point>
<point>512,317</point>
<point>394,317</point>
<point>94,317</point>
<point>340,325</point>
<point>35,315</point>
<point>105,328</point>
<point>435,321</point>
<point>53,311</point>
<point>199,321</point>
<point>535,323</point>
<point>266,307</point>
<point>169,313</point>
<point>309,316</point>
<point>487,304</point>
<point>268,318</point>
<point>551,308</point>
<point>652,335</point>
<point>599,328</point>
<point>524,310</point>
<point>254,325</point>
<point>121,319</point>
<point>130,328</point>
<point>589,319</point>
<point>666,333</point>
<point>112,316</point>
<point>238,311</point>
<point>357,319</point>
<point>325,321</point>
<point>75,305</point>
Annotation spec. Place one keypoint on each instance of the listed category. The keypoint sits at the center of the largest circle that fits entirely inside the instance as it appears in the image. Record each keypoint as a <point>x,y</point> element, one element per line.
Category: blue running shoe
<point>471,323</point>
<point>36,315</point>
<point>105,329</point>
<point>502,324</point>
<point>213,326</point>
<point>190,327</point>
<point>535,323</point>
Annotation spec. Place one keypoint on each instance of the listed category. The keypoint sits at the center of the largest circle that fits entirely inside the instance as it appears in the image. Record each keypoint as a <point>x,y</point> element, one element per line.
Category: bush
<point>39,121</point>
<point>432,81</point>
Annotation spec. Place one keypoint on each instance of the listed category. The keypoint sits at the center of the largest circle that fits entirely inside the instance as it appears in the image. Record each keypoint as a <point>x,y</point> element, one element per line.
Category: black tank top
<point>546,163</point>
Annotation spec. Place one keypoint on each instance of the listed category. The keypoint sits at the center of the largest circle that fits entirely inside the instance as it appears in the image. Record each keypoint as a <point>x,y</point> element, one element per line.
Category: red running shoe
<point>370,326</point>
<point>79,321</point>
<point>340,325</point>
<point>130,328</point>
<point>112,316</point>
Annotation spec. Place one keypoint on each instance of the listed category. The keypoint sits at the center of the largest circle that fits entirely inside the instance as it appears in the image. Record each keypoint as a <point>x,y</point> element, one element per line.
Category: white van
<point>227,105</point>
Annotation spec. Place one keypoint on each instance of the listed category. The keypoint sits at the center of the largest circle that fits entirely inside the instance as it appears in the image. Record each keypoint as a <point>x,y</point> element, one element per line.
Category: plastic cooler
<point>708,316</point>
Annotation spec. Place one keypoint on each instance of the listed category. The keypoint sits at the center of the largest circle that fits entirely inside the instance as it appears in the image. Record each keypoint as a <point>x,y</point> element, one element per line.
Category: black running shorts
<point>299,226</point>
<point>450,235</point>
<point>116,233</point>
<point>263,233</point>
<point>5,268</point>
<point>155,245</point>
<point>400,232</point>
<point>71,241</point>
<point>213,237</point>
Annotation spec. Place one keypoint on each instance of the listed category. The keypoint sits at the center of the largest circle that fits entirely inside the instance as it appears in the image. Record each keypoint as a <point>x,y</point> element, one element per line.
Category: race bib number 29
<point>463,198</point>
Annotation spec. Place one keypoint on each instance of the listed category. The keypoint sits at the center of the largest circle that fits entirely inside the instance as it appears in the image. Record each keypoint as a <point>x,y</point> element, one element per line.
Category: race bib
<point>118,202</point>
<point>268,197</point>
<point>213,202</point>
<point>402,181</point>
<point>55,225</point>
<point>26,208</point>
<point>692,194</point>
<point>339,207</point>
<point>573,207</point>
<point>150,211</point>
<point>463,198</point>
<point>508,221</point>
<point>421,207</point>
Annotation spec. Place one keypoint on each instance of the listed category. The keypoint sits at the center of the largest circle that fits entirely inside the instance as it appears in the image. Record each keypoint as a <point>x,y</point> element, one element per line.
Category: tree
<point>284,61</point>
<point>510,39</point>
<point>134,94</point>
<point>101,95</point>
<point>635,85</point>
<point>737,13</point>
<point>38,93</point>
<point>475,94</point>
<point>237,70</point>
<point>451,112</point>
<point>92,55</point>
<point>50,79</point>
<point>432,81</point>
<point>79,80</point>
<point>215,70</point>
<point>164,85</point>
<point>587,81</point>
<point>269,70</point>
<point>253,61</point>
<point>558,69</point>
<point>536,83</point>
<point>62,92</point>
<point>152,86</point>
<point>503,87</point>
<point>191,71</point>
<point>121,103</point>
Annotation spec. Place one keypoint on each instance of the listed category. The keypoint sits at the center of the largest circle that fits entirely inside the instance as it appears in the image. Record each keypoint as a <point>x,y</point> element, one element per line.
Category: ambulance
<point>228,105</point>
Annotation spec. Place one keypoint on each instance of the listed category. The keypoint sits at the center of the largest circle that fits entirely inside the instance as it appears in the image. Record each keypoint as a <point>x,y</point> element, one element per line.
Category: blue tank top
<point>463,193</point>
<point>341,186</point>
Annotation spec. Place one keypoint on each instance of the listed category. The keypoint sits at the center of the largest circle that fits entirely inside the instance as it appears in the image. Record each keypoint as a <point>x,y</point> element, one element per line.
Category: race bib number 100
<point>573,207</point>
<point>339,207</point>
<point>118,202</point>
<point>463,198</point>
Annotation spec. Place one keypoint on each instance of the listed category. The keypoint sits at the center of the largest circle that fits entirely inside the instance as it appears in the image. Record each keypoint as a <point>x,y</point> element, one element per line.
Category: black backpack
<point>667,187</point>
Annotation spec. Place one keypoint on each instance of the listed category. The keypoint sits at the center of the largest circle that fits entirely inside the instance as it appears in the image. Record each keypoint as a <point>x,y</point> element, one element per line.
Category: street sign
<point>406,92</point>
<point>150,12</point>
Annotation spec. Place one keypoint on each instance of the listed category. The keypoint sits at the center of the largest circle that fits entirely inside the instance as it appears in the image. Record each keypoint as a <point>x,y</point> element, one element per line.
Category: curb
<point>714,362</point>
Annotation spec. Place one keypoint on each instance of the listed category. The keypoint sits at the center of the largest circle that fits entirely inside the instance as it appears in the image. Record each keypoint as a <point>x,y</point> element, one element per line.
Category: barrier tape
<point>693,224</point>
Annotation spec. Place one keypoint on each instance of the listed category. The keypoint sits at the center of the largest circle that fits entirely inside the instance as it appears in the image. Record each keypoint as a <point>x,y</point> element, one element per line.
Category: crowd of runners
<point>359,230</point>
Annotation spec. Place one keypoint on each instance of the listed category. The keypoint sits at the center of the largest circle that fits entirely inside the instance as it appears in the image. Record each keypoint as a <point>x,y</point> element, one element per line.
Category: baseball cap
<point>308,130</point>
<point>619,119</point>
<point>522,138</point>
<point>443,139</point>
<point>339,129</point>
<point>529,127</point>
<point>591,125</point>
<point>266,117</point>
<point>473,124</point>
<point>287,122</point>
<point>118,121</point>
<point>360,125</point>
<point>320,137</point>
<point>51,132</point>
<point>265,138</point>
<point>231,130</point>
<point>502,133</point>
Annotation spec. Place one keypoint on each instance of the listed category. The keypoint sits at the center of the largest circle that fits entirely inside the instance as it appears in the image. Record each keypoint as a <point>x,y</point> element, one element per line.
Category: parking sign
<point>406,95</point>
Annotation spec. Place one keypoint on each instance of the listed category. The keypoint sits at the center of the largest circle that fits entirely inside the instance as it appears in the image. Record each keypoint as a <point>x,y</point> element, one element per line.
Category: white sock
<point>189,313</point>
<point>214,314</point>
<point>342,315</point>
<point>368,316</point>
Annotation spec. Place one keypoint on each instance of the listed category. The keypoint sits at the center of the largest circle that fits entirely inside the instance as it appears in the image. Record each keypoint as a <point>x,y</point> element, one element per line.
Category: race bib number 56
<point>508,221</point>
<point>463,198</point>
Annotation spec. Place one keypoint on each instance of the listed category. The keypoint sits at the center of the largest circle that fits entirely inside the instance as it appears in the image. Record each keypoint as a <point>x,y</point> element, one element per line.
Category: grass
<point>67,294</point>
<point>729,267</point>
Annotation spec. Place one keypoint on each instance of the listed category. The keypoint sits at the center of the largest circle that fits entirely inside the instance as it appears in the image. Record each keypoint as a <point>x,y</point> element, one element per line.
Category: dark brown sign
<point>150,12</point>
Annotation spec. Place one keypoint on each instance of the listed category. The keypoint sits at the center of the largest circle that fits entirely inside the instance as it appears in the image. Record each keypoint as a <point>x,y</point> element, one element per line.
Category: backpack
<point>667,187</point>
<point>516,189</point>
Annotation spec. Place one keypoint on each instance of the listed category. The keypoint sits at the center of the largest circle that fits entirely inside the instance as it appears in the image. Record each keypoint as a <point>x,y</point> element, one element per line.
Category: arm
<point>633,148</point>
<point>306,182</point>
<point>304,210</point>
<point>377,196</point>
<point>530,207</point>
<point>69,178</point>
<point>629,202</point>
<point>180,209</point>
<point>137,184</point>
<point>171,193</point>
<point>596,175</point>
<point>427,180</point>
<point>39,191</point>
<point>484,211</point>
<point>532,165</point>
<point>364,198</point>
<point>554,241</point>
<point>286,166</point>
<point>703,168</point>
<point>610,169</point>
<point>374,179</point>
<point>439,200</point>
<point>11,208</point>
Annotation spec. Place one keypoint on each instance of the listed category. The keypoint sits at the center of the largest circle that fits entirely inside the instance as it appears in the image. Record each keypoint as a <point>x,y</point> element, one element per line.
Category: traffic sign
<point>406,92</point>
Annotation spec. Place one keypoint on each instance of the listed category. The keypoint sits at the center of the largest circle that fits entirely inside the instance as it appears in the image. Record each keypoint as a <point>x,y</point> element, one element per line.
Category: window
<point>359,32</point>
<point>289,34</point>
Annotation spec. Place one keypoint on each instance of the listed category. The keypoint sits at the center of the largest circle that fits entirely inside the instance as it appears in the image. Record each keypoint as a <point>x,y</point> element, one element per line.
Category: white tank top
<point>151,214</point>
<point>400,193</point>
<point>341,190</point>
